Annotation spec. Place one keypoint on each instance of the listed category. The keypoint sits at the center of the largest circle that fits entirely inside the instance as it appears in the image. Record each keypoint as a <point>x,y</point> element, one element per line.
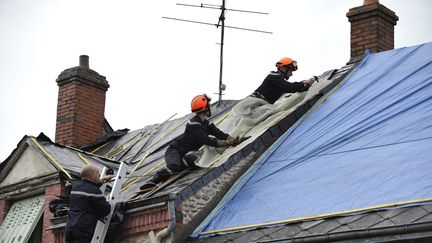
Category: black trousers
<point>175,163</point>
<point>78,237</point>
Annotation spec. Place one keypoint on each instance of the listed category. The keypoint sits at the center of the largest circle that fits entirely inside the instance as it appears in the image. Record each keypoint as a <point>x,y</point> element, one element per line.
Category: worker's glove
<point>107,178</point>
<point>242,139</point>
<point>236,141</point>
<point>310,81</point>
<point>232,141</point>
<point>221,143</point>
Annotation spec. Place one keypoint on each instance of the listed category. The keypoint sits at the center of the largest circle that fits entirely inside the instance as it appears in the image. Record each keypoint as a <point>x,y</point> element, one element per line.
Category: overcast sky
<point>155,66</point>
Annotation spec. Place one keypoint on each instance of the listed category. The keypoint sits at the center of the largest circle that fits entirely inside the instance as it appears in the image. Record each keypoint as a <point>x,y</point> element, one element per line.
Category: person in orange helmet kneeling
<point>196,134</point>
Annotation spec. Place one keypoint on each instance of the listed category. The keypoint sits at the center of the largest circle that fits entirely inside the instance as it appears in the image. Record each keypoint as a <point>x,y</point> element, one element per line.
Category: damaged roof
<point>385,225</point>
<point>144,149</point>
<point>359,163</point>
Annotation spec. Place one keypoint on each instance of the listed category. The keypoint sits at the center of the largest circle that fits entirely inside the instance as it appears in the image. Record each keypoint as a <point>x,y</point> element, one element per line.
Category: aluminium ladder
<point>102,227</point>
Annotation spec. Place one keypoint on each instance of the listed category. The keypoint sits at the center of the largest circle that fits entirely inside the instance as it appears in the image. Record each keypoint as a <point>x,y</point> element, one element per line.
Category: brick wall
<point>372,27</point>
<point>140,223</point>
<point>51,193</point>
<point>80,114</point>
<point>5,205</point>
<point>147,220</point>
<point>80,106</point>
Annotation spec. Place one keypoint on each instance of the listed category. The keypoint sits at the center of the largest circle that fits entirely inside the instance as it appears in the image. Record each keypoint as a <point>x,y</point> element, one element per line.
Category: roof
<point>366,147</point>
<point>412,222</point>
<point>144,149</point>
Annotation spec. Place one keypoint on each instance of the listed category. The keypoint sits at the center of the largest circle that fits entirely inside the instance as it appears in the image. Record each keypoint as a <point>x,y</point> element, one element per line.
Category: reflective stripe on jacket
<point>87,205</point>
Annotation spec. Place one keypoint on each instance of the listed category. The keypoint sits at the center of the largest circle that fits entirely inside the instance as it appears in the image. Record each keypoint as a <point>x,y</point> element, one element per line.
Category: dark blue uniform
<point>87,205</point>
<point>194,137</point>
<point>274,85</point>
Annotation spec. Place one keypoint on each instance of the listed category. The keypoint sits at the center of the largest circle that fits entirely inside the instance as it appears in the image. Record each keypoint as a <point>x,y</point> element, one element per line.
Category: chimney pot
<point>84,61</point>
<point>80,105</point>
<point>366,2</point>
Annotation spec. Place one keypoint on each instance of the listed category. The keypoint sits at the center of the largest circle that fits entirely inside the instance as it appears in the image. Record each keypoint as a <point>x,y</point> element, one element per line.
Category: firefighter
<point>87,205</point>
<point>276,83</point>
<point>196,134</point>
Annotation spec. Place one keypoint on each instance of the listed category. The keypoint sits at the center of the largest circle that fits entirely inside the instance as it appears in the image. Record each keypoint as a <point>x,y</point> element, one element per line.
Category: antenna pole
<point>222,21</point>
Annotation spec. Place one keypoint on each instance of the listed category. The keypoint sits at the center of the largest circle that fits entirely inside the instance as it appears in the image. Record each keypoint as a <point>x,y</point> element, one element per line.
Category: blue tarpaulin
<point>368,144</point>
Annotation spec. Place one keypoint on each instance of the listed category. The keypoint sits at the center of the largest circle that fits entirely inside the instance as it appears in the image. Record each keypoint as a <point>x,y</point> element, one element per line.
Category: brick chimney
<point>372,27</point>
<point>81,105</point>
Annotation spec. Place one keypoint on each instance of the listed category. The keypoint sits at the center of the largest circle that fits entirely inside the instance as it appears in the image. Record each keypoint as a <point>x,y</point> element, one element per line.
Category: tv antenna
<point>221,23</point>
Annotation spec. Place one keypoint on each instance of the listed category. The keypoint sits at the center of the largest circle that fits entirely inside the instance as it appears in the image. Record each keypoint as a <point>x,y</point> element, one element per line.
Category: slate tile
<point>275,131</point>
<point>266,137</point>
<point>226,166</point>
<point>230,162</point>
<point>220,169</point>
<point>197,185</point>
<point>324,227</point>
<point>287,122</point>
<point>341,228</point>
<point>285,231</point>
<point>255,235</point>
<point>208,178</point>
<point>264,238</point>
<point>303,233</point>
<point>225,237</point>
<point>427,207</point>
<point>426,218</point>
<point>301,110</point>
<point>247,150</point>
<point>409,215</point>
<point>366,221</point>
<point>270,230</point>
<point>258,144</point>
<point>384,223</point>
<point>237,157</point>
<point>312,102</point>
<point>348,219</point>
<point>390,213</point>
<point>186,193</point>
<point>309,224</point>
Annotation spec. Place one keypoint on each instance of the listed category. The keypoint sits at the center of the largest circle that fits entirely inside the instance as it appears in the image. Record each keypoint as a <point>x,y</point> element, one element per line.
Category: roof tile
<point>426,218</point>
<point>344,220</point>
<point>325,227</point>
<point>384,223</point>
<point>286,231</point>
<point>342,228</point>
<point>409,215</point>
<point>427,207</point>
<point>366,221</point>
<point>390,213</point>
<point>309,224</point>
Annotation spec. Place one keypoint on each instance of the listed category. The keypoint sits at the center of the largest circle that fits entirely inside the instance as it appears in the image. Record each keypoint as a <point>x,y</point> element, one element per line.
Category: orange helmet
<point>200,103</point>
<point>286,61</point>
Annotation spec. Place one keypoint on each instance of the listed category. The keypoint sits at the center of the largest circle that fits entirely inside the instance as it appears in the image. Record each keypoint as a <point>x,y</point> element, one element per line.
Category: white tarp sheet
<point>253,116</point>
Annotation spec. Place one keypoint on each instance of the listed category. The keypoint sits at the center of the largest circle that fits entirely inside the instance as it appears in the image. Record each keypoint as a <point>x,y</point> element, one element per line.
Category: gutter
<point>166,199</point>
<point>360,234</point>
<point>171,225</point>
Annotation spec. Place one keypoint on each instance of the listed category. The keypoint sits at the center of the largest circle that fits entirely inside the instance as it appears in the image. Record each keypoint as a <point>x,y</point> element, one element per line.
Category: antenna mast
<point>221,23</point>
